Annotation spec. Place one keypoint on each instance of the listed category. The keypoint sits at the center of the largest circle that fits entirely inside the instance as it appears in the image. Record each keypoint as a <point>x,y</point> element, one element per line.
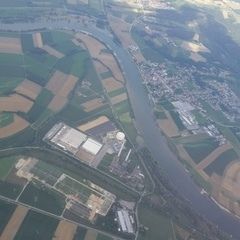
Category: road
<point>145,122</point>
<point>55,216</point>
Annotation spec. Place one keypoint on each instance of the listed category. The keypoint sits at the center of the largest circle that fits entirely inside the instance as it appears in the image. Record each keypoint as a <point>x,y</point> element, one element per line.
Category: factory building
<point>125,221</point>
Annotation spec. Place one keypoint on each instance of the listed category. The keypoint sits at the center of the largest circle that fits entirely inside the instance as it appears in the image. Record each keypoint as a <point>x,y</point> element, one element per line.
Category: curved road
<point>145,122</point>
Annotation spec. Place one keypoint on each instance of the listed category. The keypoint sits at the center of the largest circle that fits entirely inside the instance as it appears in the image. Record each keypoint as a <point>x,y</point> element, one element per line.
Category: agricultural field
<point>200,150</point>
<point>220,164</point>
<point>7,164</point>
<point>57,80</point>
<point>19,222</point>
<point>96,5</point>
<point>37,226</point>
<point>49,191</point>
<point>122,29</point>
<point>167,125</point>
<point>6,118</point>
<point>6,210</point>
<point>159,227</point>
<point>14,223</point>
<point>34,65</point>
<point>40,196</point>
<point>65,231</point>
<point>84,234</point>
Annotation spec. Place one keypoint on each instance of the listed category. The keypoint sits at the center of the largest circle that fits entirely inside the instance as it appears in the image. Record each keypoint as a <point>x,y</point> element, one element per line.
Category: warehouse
<point>69,138</point>
<point>92,146</point>
<point>125,221</point>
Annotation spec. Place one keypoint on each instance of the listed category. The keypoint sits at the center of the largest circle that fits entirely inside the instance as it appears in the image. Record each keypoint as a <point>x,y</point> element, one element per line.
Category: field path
<point>14,223</point>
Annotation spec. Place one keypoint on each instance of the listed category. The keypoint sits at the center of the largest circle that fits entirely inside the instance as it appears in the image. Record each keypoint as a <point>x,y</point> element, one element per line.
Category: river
<point>146,125</point>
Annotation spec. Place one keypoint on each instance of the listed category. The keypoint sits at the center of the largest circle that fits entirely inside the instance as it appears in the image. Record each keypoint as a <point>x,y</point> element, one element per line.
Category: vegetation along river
<point>145,122</point>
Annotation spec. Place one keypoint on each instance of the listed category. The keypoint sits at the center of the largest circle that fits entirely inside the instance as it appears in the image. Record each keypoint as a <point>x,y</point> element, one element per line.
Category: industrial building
<point>73,141</point>
<point>69,139</point>
<point>92,146</point>
<point>83,198</point>
<point>185,112</point>
<point>125,221</point>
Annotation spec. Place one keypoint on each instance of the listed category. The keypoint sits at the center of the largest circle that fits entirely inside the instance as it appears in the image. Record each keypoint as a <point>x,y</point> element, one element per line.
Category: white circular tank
<point>120,136</point>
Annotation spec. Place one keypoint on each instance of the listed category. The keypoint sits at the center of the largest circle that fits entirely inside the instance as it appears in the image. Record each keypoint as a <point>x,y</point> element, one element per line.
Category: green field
<point>6,165</point>
<point>96,5</point>
<point>5,119</point>
<point>46,172</point>
<point>9,190</point>
<point>103,237</point>
<point>7,84</point>
<point>6,210</point>
<point>72,187</point>
<point>230,136</point>
<point>192,139</point>
<point>128,126</point>
<point>39,111</point>
<point>116,92</point>
<point>22,138</point>
<point>105,75</point>
<point>73,114</point>
<point>148,52</point>
<point>40,196</point>
<point>38,66</point>
<point>80,233</point>
<point>159,227</point>
<point>74,64</point>
<point>166,104</point>
<point>216,116</point>
<point>122,107</point>
<point>106,161</point>
<point>219,165</point>
<point>197,178</point>
<point>160,114</point>
<point>37,227</point>
<point>202,120</point>
<point>11,59</point>
<point>176,118</point>
<point>81,171</point>
<point>198,151</point>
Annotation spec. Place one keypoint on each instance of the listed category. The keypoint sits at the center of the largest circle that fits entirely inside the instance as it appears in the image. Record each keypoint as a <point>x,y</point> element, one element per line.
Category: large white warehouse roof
<point>92,146</point>
<point>73,138</point>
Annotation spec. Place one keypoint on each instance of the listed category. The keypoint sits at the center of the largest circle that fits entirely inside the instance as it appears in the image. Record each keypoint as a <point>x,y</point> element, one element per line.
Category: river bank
<point>145,122</point>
